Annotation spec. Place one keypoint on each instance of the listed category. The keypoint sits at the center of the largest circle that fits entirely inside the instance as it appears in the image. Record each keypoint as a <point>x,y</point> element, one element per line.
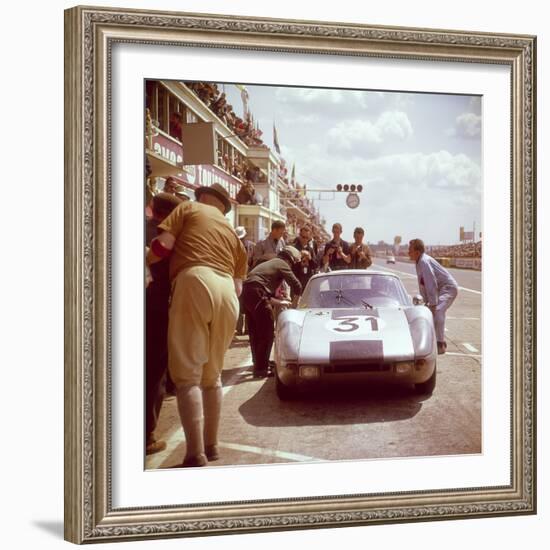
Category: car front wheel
<point>426,388</point>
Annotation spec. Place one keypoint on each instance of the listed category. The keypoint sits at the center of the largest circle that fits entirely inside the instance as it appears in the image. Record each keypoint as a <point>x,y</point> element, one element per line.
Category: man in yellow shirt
<point>207,265</point>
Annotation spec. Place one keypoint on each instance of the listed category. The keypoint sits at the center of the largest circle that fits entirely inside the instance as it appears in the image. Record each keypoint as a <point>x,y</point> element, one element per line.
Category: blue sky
<point>418,156</point>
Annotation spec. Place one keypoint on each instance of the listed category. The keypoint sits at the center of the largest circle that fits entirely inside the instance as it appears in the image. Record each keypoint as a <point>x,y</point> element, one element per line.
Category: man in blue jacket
<point>437,286</point>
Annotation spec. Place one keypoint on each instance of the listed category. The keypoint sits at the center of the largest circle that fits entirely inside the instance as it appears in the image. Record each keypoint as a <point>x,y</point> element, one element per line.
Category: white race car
<point>354,325</point>
<point>390,259</point>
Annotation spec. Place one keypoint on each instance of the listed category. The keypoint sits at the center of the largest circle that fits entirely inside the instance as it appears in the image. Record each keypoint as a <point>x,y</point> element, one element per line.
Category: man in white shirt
<point>437,286</point>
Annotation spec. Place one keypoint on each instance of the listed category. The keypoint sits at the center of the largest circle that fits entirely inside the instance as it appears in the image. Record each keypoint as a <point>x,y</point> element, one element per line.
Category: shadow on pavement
<point>357,404</point>
<point>229,379</point>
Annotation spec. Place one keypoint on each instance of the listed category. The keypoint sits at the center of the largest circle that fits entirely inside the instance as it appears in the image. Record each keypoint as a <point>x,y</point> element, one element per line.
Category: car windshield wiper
<point>367,305</point>
<point>340,296</point>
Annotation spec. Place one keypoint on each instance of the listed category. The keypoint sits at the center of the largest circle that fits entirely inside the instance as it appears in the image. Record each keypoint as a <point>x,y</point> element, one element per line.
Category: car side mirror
<point>418,300</point>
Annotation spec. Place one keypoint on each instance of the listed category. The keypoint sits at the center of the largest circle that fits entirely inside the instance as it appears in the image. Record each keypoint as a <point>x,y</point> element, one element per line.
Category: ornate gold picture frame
<point>90,34</point>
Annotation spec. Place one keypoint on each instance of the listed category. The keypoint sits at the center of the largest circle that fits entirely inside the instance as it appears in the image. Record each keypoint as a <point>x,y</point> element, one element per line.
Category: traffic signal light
<point>349,188</point>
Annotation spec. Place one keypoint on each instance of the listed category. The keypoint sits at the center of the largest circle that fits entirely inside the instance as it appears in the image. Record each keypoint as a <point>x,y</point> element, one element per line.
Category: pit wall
<point>462,263</point>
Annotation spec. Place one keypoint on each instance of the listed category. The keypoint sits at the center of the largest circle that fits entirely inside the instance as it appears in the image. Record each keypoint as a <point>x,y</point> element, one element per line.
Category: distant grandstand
<point>465,250</point>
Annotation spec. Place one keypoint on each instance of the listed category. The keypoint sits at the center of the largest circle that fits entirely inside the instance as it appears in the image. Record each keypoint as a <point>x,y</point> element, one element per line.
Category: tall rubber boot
<point>192,421</point>
<point>212,404</point>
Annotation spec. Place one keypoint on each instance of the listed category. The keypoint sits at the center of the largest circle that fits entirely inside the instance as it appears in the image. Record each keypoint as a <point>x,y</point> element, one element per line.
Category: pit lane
<point>350,424</point>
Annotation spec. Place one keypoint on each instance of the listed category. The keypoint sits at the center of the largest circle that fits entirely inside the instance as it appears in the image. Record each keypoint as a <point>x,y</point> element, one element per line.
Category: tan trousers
<point>203,315</point>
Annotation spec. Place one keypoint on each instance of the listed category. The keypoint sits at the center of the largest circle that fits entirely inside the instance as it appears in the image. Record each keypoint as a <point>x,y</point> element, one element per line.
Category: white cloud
<point>359,134</point>
<point>319,98</point>
<point>467,125</point>
<point>309,96</point>
<point>301,119</point>
<point>394,125</point>
<point>414,194</point>
<point>414,173</point>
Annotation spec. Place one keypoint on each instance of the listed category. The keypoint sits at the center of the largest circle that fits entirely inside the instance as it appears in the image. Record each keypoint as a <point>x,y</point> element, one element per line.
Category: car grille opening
<point>357,367</point>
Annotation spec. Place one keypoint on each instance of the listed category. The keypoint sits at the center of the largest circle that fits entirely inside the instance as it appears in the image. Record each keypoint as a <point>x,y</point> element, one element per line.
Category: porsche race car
<point>354,325</point>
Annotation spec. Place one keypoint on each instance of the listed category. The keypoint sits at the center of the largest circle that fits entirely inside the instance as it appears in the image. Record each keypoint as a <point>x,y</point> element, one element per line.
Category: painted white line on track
<point>470,290</point>
<point>414,277</point>
<point>469,347</point>
<point>176,437</point>
<point>267,452</point>
<point>464,318</point>
<point>396,271</point>
<point>454,353</point>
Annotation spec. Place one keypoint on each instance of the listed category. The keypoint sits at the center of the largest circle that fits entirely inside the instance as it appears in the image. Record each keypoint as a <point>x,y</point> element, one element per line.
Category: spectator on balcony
<point>237,170</point>
<point>208,93</point>
<point>226,164</point>
<point>253,174</point>
<point>270,246</point>
<point>239,126</point>
<point>229,115</point>
<point>193,86</point>
<point>218,106</point>
<point>176,121</point>
<point>246,194</point>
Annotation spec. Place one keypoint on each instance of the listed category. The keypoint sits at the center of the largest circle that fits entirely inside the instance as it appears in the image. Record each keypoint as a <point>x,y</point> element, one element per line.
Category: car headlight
<point>404,367</point>
<point>309,371</point>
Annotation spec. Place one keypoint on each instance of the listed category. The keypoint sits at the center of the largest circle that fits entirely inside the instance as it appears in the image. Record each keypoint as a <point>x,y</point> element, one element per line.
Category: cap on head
<point>218,191</point>
<point>181,193</point>
<point>291,253</point>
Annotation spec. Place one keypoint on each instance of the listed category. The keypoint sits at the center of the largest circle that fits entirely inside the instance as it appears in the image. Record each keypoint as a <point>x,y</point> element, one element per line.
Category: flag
<point>245,98</point>
<point>293,175</point>
<point>275,140</point>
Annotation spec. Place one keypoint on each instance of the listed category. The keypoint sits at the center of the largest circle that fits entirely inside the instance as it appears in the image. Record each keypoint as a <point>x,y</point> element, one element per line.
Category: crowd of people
<point>216,100</point>
<point>205,282</point>
<point>464,250</point>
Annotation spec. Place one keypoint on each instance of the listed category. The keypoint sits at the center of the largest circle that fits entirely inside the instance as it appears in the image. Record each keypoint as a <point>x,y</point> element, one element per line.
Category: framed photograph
<point>355,163</point>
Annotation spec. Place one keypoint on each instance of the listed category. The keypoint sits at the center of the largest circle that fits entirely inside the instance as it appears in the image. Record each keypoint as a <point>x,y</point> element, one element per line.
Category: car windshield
<point>351,290</point>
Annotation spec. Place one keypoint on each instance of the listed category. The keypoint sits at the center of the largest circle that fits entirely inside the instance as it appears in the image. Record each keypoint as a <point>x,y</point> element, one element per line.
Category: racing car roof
<point>355,272</point>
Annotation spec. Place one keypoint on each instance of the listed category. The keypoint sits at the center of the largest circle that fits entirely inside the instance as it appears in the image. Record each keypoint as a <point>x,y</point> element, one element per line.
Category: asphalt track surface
<point>343,424</point>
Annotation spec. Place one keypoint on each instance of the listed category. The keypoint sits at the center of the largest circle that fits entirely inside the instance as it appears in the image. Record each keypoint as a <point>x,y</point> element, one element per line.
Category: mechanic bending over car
<point>259,299</point>
<point>437,287</point>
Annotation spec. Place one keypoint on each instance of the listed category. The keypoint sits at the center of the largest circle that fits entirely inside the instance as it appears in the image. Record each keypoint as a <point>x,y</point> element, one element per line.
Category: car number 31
<point>361,325</point>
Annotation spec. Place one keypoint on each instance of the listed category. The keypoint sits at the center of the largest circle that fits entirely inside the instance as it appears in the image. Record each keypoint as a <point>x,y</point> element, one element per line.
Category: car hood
<point>356,335</point>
